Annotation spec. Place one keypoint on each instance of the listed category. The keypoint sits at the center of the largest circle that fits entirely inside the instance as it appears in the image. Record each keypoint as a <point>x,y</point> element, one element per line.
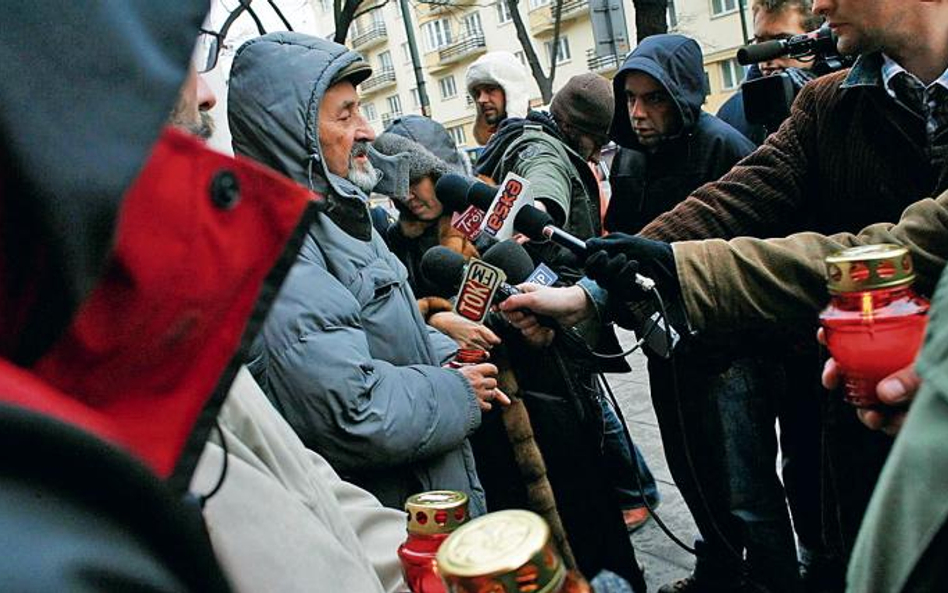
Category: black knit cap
<point>585,103</point>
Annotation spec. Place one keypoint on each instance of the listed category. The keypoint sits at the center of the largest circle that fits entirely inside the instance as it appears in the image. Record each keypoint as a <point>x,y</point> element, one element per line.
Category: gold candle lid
<point>869,267</point>
<point>503,552</point>
<point>437,511</point>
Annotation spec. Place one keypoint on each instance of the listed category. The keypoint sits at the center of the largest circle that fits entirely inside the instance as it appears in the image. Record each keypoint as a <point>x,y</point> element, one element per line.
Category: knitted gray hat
<point>585,103</point>
<point>422,163</point>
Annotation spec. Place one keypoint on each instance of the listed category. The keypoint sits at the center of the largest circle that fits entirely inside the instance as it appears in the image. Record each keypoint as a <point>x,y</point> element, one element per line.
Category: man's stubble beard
<point>202,127</point>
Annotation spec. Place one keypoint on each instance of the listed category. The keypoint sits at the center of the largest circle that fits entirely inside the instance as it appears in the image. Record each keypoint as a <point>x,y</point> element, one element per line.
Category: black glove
<point>615,259</point>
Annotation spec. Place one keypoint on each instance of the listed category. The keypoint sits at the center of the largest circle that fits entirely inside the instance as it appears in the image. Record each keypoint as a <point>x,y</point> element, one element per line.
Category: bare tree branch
<point>369,9</point>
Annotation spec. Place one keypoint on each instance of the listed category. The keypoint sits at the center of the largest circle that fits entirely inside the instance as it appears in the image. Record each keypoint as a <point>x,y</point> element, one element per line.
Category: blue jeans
<point>618,459</point>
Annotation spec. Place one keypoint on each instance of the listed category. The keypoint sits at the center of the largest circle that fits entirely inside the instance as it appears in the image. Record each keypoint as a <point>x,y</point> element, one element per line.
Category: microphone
<point>457,192</point>
<point>538,226</point>
<point>444,267</point>
<point>820,41</point>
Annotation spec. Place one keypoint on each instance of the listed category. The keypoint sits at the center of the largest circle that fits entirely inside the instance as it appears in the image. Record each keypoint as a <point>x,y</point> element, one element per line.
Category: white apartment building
<point>451,34</point>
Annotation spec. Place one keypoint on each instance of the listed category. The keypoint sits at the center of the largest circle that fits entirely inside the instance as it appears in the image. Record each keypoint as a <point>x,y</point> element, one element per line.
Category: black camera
<point>767,99</point>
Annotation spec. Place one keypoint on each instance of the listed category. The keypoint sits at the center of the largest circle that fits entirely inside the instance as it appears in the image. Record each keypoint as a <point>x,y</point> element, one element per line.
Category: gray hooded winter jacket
<point>344,354</point>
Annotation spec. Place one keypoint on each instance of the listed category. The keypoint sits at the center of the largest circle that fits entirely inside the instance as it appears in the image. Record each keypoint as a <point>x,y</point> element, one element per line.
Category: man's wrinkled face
<point>491,103</point>
<point>344,136</point>
<point>195,101</point>
<point>652,110</point>
<point>866,25</point>
<point>770,26</point>
<point>422,201</point>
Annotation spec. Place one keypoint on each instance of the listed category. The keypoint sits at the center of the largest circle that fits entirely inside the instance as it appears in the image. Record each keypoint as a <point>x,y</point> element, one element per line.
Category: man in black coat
<point>668,147</point>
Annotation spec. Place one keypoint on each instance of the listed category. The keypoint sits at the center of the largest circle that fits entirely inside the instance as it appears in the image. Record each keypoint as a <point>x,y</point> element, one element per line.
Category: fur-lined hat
<point>422,163</point>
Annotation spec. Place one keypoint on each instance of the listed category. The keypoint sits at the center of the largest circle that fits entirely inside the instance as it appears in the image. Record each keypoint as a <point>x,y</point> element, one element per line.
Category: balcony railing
<point>464,47</point>
<point>542,17</point>
<point>383,79</point>
<point>388,118</point>
<point>600,64</point>
<point>374,34</point>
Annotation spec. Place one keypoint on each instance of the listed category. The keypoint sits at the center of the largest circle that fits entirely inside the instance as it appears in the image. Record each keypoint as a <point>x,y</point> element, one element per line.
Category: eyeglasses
<point>206,50</point>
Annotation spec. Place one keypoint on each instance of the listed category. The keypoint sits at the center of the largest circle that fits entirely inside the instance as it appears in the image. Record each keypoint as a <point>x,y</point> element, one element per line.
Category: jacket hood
<point>430,134</point>
<point>678,64</point>
<point>505,70</point>
<point>277,82</point>
<point>75,134</point>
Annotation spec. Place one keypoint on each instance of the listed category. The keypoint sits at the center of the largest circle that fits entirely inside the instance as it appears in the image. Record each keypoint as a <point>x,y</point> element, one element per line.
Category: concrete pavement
<point>664,560</point>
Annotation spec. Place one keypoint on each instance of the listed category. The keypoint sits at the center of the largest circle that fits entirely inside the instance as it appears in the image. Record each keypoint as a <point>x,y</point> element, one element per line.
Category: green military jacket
<point>557,174</point>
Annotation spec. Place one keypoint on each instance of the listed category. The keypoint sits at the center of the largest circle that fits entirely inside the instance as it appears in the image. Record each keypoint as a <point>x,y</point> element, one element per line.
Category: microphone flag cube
<point>481,281</point>
<point>511,196</point>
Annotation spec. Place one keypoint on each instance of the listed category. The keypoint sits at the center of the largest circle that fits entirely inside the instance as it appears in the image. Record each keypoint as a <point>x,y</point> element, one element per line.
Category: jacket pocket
<point>375,282</point>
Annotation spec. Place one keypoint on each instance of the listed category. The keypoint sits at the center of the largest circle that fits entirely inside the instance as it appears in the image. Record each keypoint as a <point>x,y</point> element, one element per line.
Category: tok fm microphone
<point>444,267</point>
<point>538,226</point>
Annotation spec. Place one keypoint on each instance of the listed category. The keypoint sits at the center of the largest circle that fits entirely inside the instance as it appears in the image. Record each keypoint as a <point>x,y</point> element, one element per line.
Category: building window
<point>723,6</point>
<point>458,135</point>
<point>538,3</point>
<point>394,104</point>
<point>398,8</point>
<point>324,5</point>
<point>449,89</point>
<point>731,74</point>
<point>368,110</point>
<point>503,12</point>
<point>385,61</point>
<point>437,34</point>
<point>472,24</point>
<point>672,15</point>
<point>406,53</point>
<point>521,56</point>
<point>562,50</point>
<point>415,98</point>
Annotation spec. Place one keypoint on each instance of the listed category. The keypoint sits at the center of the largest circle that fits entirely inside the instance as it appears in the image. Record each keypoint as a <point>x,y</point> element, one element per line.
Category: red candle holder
<point>874,322</point>
<point>432,517</point>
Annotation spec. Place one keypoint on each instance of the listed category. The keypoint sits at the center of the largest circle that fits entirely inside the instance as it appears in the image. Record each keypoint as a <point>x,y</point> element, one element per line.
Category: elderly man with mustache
<point>345,355</point>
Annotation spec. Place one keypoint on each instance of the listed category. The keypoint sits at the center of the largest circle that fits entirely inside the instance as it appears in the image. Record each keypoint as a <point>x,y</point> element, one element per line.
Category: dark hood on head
<point>430,134</point>
<point>77,125</point>
<point>277,82</point>
<point>675,61</point>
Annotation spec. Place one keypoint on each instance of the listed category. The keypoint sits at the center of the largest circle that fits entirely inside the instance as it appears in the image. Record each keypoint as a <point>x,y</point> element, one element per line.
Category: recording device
<point>767,99</point>
<point>538,226</point>
<point>815,43</point>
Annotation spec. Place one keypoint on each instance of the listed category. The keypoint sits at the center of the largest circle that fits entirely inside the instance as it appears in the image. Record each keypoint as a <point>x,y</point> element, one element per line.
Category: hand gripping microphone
<point>444,267</point>
<point>538,226</point>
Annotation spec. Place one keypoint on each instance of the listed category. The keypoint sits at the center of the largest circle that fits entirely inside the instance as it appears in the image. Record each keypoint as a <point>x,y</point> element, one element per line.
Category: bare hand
<point>568,306</point>
<point>483,379</point>
<point>895,392</point>
<point>465,332</point>
<point>535,334</point>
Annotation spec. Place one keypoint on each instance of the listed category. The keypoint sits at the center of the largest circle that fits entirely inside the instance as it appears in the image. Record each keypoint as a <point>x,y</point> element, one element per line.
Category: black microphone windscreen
<point>443,268</point>
<point>512,258</point>
<point>530,221</point>
<point>761,52</point>
<point>452,191</point>
<point>481,195</point>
